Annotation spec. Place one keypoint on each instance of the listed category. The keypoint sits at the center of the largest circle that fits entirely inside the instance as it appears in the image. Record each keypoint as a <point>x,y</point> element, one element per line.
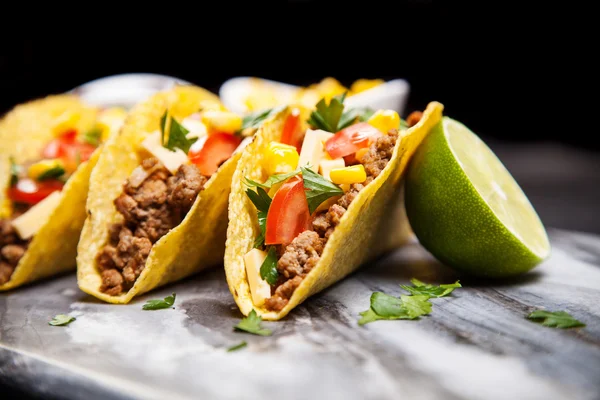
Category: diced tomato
<point>351,139</point>
<point>70,151</point>
<point>288,215</point>
<point>217,148</point>
<point>292,134</point>
<point>31,192</point>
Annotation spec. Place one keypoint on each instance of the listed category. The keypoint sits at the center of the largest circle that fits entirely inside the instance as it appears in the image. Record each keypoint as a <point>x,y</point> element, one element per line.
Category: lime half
<point>467,209</point>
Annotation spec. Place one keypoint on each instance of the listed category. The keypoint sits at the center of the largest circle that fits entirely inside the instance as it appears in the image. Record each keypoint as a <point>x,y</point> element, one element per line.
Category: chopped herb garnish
<point>327,116</point>
<point>254,120</point>
<point>403,124</point>
<point>268,269</point>
<point>160,304</point>
<point>555,319</point>
<point>14,172</point>
<point>354,115</point>
<point>251,324</point>
<point>262,202</point>
<point>318,188</point>
<point>93,136</point>
<point>61,320</point>
<point>237,346</point>
<point>421,288</point>
<point>273,180</point>
<point>53,173</point>
<point>177,134</point>
<point>384,306</point>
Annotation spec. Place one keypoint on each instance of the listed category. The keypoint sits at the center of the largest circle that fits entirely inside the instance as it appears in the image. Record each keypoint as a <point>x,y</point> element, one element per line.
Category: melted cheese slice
<point>259,288</point>
<point>30,222</point>
<point>313,148</point>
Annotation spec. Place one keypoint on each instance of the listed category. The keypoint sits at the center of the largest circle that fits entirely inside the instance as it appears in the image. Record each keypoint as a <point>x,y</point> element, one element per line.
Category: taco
<point>309,206</point>
<point>48,149</point>
<point>157,207</point>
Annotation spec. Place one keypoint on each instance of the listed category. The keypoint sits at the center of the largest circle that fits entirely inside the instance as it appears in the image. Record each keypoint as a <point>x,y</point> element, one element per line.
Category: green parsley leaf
<point>238,346</point>
<point>177,134</point>
<point>14,172</point>
<point>420,288</point>
<point>52,173</point>
<point>262,202</point>
<point>254,120</point>
<point>251,324</point>
<point>353,116</point>
<point>318,188</point>
<point>61,320</point>
<point>268,269</point>
<point>384,306</point>
<point>273,180</point>
<point>555,319</point>
<point>160,304</point>
<point>403,124</point>
<point>93,136</point>
<point>327,116</point>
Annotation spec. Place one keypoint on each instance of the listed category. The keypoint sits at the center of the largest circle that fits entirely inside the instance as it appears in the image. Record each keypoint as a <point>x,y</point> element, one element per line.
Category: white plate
<point>390,95</point>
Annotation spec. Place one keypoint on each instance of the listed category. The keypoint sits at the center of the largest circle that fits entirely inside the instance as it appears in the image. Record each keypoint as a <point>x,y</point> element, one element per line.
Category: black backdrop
<point>505,70</point>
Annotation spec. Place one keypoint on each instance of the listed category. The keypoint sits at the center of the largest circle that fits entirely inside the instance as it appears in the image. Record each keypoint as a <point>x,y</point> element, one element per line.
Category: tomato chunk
<point>292,134</point>
<point>351,139</point>
<point>217,148</point>
<point>288,215</point>
<point>31,192</point>
<point>69,150</point>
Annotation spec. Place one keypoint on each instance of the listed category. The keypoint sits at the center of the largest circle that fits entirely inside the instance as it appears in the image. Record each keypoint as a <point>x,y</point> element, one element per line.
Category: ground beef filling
<point>299,257</point>
<point>150,209</point>
<point>12,249</point>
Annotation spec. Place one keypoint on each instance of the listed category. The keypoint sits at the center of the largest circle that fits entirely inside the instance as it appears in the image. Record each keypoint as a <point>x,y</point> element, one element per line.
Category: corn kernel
<point>37,169</point>
<point>361,153</point>
<point>66,122</point>
<point>352,174</point>
<point>222,121</point>
<point>361,85</point>
<point>384,120</point>
<point>280,158</point>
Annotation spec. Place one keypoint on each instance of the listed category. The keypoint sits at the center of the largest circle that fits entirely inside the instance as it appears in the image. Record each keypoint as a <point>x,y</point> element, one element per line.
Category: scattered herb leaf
<point>354,115</point>
<point>177,134</point>
<point>416,305</point>
<point>160,304</point>
<point>262,202</point>
<point>384,306</point>
<point>327,116</point>
<point>555,319</point>
<point>318,188</point>
<point>14,172</point>
<point>268,269</point>
<point>251,324</point>
<point>421,288</point>
<point>61,320</point>
<point>273,180</point>
<point>238,346</point>
<point>93,136</point>
<point>52,173</point>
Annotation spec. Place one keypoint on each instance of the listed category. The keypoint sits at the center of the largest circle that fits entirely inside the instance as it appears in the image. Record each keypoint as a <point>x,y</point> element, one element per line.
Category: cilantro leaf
<point>420,288</point>
<point>354,115</point>
<point>14,172</point>
<point>52,173</point>
<point>254,120</point>
<point>61,320</point>
<point>268,269</point>
<point>555,319</point>
<point>403,124</point>
<point>177,134</point>
<point>273,180</point>
<point>318,188</point>
<point>262,202</point>
<point>160,304</point>
<point>384,306</point>
<point>327,116</point>
<point>251,324</point>
<point>238,346</point>
<point>93,136</point>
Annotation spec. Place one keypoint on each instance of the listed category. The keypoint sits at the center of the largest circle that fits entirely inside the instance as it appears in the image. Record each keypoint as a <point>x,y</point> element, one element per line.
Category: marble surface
<point>476,344</point>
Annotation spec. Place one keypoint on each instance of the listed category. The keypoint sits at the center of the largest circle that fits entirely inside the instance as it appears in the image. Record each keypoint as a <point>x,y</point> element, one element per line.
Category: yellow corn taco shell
<point>196,243</point>
<point>24,132</point>
<point>374,223</point>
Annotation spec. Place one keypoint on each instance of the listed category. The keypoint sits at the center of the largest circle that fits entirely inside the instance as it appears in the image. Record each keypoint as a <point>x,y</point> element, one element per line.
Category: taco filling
<point>175,164</point>
<point>313,177</point>
<point>35,186</point>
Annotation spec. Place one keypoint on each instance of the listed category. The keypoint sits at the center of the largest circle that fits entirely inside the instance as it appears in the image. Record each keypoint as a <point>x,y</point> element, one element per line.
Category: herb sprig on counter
<point>159,304</point>
<point>555,319</point>
<point>61,320</point>
<point>252,324</point>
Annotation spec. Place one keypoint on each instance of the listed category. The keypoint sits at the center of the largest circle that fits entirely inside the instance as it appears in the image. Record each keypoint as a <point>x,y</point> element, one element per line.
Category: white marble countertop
<point>476,344</point>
